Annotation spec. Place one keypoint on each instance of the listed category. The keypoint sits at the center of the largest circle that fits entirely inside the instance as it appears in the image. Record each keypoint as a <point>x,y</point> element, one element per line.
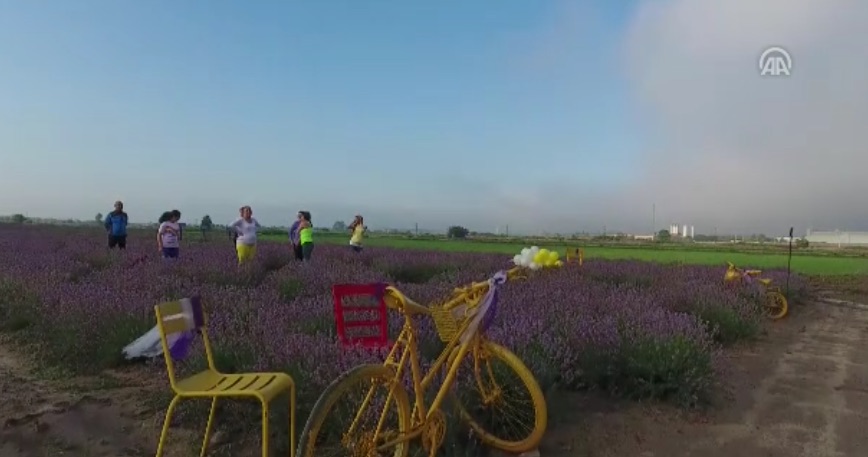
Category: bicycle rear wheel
<point>500,399</point>
<point>344,424</point>
<point>776,306</point>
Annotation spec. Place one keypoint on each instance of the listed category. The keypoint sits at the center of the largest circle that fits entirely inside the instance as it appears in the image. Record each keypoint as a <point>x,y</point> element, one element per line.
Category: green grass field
<point>806,263</point>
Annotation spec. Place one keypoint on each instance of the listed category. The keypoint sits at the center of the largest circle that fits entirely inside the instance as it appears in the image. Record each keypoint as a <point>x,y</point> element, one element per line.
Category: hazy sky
<point>543,115</point>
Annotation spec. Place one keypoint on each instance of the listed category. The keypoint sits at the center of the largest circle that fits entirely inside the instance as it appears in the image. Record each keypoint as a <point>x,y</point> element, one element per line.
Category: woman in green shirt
<point>305,235</point>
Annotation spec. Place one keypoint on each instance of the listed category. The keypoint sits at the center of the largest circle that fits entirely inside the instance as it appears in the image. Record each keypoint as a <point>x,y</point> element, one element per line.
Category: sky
<point>546,116</point>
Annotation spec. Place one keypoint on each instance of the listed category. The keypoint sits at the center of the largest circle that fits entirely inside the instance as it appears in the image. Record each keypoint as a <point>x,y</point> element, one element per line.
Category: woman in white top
<point>169,234</point>
<point>246,227</point>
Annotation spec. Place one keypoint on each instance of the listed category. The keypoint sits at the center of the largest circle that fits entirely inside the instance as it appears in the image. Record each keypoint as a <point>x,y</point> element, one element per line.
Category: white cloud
<point>736,150</point>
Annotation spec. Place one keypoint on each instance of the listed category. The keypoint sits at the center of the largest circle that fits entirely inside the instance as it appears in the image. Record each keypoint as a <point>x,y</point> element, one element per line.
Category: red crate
<point>371,330</point>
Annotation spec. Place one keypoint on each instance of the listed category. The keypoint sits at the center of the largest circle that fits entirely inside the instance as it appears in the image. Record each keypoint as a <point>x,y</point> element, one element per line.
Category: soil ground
<point>800,391</point>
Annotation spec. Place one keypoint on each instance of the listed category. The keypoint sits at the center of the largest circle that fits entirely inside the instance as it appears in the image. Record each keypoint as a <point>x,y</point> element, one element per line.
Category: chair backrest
<point>181,316</point>
<point>361,308</point>
<point>575,255</point>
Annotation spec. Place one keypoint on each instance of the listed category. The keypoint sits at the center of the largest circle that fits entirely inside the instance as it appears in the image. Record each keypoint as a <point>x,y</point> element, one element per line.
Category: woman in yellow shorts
<point>357,230</point>
<point>246,227</point>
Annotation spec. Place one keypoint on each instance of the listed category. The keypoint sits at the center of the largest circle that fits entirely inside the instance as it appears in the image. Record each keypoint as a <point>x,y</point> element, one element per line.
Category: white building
<point>837,237</point>
<point>683,231</point>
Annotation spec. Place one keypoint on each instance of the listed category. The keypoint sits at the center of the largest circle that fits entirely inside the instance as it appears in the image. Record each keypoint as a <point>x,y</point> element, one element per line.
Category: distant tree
<point>205,226</point>
<point>664,236</point>
<point>339,226</point>
<point>98,218</point>
<point>457,231</point>
<point>19,218</point>
<point>802,243</point>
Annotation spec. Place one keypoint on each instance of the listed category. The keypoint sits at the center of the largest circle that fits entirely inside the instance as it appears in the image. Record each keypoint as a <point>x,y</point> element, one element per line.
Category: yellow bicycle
<point>366,411</point>
<point>774,302</point>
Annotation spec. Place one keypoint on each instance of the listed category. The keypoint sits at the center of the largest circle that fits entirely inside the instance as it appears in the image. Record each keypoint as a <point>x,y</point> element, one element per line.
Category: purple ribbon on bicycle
<point>487,308</point>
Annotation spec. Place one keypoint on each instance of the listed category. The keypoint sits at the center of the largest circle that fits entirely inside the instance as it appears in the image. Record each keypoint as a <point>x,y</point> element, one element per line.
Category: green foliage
<point>98,218</point>
<point>726,325</point>
<point>457,231</point>
<point>673,370</point>
<point>16,308</point>
<point>663,236</point>
<point>339,226</point>
<point>206,223</point>
<point>766,256</point>
<point>64,348</point>
<point>19,218</point>
<point>289,289</point>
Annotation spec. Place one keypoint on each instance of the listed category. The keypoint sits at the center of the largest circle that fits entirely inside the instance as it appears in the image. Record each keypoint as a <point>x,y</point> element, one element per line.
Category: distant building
<point>683,231</point>
<point>837,237</point>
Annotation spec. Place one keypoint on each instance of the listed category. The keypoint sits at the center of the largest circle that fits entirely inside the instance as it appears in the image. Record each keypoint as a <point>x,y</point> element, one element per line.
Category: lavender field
<point>633,329</point>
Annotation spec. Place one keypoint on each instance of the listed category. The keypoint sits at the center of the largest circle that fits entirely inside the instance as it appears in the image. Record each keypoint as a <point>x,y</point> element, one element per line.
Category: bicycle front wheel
<point>500,399</point>
<point>359,412</point>
<point>776,306</point>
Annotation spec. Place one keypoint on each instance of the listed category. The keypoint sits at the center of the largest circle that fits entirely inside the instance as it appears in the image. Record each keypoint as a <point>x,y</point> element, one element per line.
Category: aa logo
<point>775,61</point>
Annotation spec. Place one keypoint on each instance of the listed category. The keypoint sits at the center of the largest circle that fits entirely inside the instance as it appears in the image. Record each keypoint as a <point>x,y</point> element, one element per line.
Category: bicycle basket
<point>448,321</point>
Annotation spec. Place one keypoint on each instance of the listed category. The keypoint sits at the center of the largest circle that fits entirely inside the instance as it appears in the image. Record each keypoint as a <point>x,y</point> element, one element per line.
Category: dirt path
<point>801,391</point>
<point>89,417</point>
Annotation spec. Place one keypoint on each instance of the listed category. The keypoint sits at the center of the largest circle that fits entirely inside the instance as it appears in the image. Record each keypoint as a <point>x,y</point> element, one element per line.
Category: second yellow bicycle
<point>775,305</point>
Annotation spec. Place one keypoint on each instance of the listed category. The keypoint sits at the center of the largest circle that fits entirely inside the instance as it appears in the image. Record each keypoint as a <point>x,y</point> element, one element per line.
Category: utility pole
<point>417,229</point>
<point>653,220</point>
<point>507,230</point>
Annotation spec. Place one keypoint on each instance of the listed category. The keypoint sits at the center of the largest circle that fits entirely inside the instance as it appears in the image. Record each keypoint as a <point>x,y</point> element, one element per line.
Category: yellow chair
<point>189,315</point>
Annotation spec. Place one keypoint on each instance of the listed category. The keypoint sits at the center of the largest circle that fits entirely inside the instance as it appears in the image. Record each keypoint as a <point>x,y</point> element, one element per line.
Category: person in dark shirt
<point>293,238</point>
<point>116,227</point>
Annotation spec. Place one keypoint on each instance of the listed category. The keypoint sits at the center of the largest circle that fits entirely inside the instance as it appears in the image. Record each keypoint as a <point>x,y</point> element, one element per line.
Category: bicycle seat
<point>395,299</point>
<point>764,281</point>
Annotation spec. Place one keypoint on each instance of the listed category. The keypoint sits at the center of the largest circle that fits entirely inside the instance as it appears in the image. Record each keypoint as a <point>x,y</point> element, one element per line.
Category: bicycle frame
<point>748,277</point>
<point>451,356</point>
<point>734,273</point>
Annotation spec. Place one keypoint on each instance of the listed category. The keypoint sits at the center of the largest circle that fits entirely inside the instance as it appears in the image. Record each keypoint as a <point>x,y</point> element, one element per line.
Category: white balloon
<point>517,259</point>
<point>534,266</point>
<point>525,251</point>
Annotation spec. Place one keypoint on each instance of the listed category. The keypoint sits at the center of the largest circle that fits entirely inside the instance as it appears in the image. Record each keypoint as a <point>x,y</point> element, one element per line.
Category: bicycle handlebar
<point>511,274</point>
<point>395,299</point>
<point>741,272</point>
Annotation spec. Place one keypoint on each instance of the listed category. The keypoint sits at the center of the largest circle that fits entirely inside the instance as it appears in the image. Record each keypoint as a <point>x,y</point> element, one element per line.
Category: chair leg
<point>166,422</point>
<point>264,429</point>
<point>208,427</point>
<point>292,421</point>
